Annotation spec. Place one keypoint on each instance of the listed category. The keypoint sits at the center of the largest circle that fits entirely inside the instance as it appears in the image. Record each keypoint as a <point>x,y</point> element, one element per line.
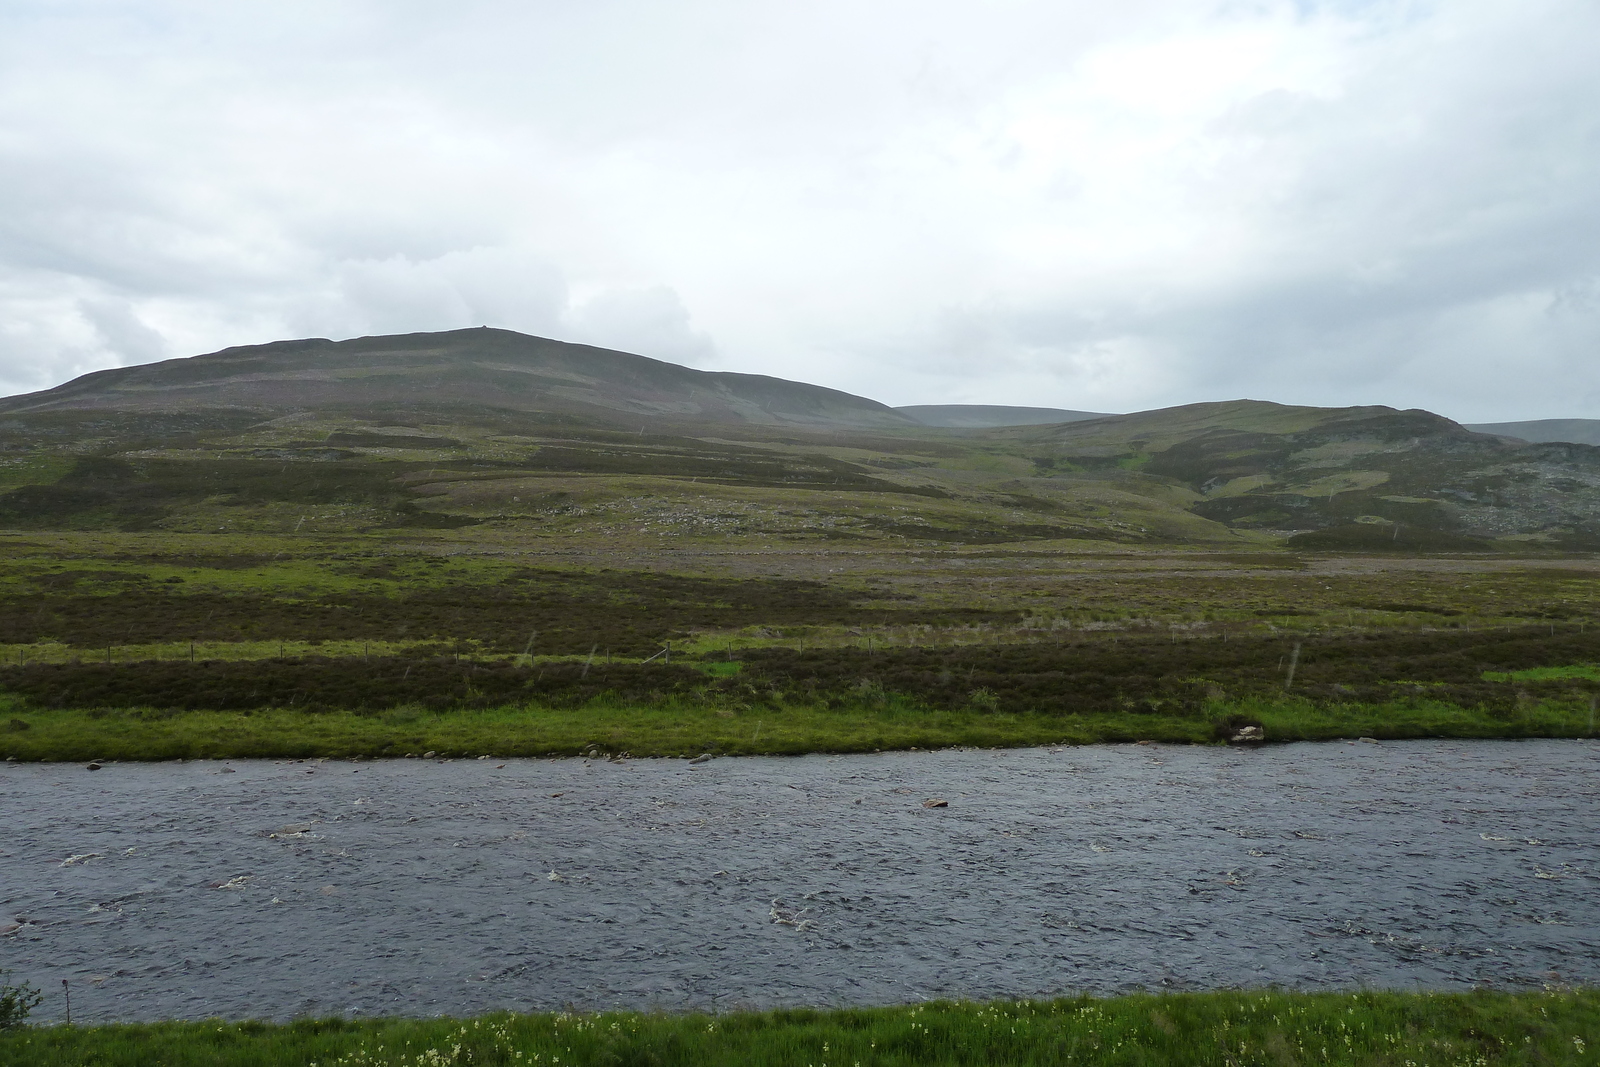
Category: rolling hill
<point>524,437</point>
<point>1544,431</point>
<point>495,370</point>
<point>1349,477</point>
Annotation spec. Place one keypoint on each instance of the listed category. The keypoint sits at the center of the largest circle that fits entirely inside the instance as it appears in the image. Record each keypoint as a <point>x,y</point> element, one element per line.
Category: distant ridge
<point>371,423</point>
<point>982,416</point>
<point>475,368</point>
<point>1544,431</point>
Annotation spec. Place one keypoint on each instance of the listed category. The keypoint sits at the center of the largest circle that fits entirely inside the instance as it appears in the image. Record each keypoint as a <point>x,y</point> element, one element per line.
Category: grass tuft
<point>1478,1029</point>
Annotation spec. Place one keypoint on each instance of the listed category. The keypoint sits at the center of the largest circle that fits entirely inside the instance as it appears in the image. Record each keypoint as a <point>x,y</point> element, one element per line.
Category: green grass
<point>1289,719</point>
<point>722,669</point>
<point>1589,671</point>
<point>33,470</point>
<point>679,729</point>
<point>685,727</point>
<point>1476,1029</point>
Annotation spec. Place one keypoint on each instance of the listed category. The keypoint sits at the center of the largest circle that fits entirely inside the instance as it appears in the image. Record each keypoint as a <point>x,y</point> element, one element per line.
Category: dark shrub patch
<point>627,613</point>
<point>1148,673</point>
<point>1365,537</point>
<point>316,684</point>
<point>1084,676</point>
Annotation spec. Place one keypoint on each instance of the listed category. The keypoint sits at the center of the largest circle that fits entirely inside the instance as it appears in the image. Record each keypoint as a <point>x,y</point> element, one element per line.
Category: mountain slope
<point>526,437</point>
<point>479,368</point>
<point>1542,431</point>
<point>1354,476</point>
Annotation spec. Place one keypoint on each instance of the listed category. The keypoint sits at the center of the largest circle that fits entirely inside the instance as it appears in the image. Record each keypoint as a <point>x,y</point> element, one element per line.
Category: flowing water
<point>274,889</point>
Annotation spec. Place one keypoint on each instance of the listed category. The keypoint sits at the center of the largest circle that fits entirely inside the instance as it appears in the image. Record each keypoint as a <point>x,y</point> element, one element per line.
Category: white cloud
<point>1094,206</point>
<point>651,321</point>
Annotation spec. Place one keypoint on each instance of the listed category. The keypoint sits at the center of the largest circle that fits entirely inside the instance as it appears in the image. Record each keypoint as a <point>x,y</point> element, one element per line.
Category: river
<point>273,889</point>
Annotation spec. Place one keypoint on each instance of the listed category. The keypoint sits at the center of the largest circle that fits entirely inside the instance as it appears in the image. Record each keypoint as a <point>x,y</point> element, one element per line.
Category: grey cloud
<point>1088,206</point>
<point>651,321</point>
<point>121,330</point>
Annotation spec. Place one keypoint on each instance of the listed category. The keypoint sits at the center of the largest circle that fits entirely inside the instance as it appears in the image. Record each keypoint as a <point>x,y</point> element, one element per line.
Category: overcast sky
<point>1104,206</point>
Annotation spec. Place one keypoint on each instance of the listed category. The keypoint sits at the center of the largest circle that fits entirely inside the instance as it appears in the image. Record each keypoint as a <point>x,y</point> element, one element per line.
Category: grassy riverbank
<point>1477,1029</point>
<point>681,728</point>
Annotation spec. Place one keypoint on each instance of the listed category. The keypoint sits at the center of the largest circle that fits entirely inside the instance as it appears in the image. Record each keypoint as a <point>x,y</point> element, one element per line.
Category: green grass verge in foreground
<point>1229,1028</point>
<point>686,728</point>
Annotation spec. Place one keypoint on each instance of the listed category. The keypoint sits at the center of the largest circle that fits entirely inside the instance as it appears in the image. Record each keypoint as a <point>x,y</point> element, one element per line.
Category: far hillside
<point>528,437</point>
<point>1355,478</point>
<point>480,369</point>
<point>483,542</point>
<point>1542,431</point>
